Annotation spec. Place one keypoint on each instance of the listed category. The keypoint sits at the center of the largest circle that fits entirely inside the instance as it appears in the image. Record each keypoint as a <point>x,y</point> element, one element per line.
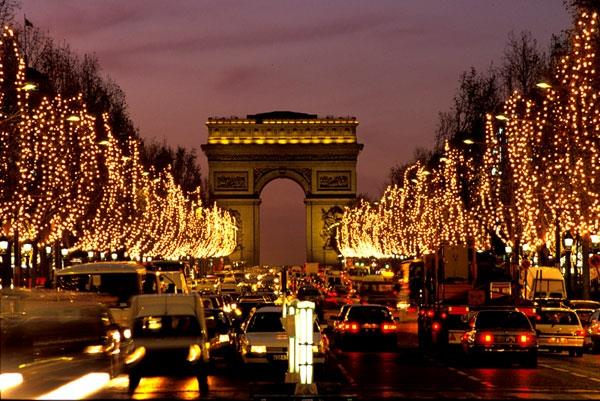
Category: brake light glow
<point>430,313</point>
<point>443,315</point>
<point>524,339</point>
<point>580,332</point>
<point>436,326</point>
<point>486,338</point>
<point>388,327</point>
<point>351,327</point>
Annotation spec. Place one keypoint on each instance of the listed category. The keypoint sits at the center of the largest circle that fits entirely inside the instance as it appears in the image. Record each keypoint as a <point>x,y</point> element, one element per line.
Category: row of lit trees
<point>59,180</point>
<point>541,170</point>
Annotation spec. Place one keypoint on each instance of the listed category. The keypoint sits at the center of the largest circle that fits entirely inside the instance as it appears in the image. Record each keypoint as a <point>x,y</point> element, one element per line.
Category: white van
<point>169,338</point>
<point>544,282</point>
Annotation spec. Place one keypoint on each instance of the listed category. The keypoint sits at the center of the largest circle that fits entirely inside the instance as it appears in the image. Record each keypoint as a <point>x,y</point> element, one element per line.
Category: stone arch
<point>262,178</point>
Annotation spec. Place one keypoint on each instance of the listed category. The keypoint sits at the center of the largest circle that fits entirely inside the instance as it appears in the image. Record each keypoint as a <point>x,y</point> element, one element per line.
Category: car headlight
<point>258,349</point>
<point>136,355</point>
<point>116,336</point>
<point>194,353</point>
<point>127,334</point>
<point>93,349</point>
<point>315,349</point>
<point>223,338</point>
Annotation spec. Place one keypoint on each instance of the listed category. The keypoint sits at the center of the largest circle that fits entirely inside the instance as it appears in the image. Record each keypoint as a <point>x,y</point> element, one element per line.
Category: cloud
<point>257,37</point>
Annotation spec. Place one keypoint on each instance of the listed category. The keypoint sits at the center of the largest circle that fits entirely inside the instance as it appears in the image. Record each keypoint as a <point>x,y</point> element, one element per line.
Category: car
<point>582,304</point>
<point>501,332</point>
<point>339,295</point>
<point>593,331</point>
<point>559,329</point>
<point>365,324</point>
<point>263,339</point>
<point>246,303</point>
<point>43,328</point>
<point>584,312</point>
<point>169,338</point>
<point>379,292</point>
<point>221,335</point>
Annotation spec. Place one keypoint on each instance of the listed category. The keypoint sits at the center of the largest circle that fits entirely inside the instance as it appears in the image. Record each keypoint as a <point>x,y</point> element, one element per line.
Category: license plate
<point>280,357</point>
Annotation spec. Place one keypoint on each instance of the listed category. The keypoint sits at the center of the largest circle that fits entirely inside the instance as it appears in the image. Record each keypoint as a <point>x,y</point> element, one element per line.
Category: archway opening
<point>282,224</point>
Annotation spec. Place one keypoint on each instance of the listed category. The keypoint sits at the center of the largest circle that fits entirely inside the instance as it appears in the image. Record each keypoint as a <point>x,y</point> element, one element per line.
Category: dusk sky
<point>392,64</point>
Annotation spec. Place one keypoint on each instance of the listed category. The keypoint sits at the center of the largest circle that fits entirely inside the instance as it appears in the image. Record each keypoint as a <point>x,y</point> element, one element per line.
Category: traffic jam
<point>164,319</point>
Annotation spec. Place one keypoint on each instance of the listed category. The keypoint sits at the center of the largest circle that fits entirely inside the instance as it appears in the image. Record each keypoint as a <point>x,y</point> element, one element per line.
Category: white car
<point>264,339</point>
<point>559,329</point>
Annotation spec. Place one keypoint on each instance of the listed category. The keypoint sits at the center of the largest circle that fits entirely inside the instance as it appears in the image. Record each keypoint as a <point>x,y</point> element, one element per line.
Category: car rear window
<point>166,326</point>
<point>558,317</point>
<point>309,292</point>
<point>369,314</point>
<point>266,322</point>
<point>502,320</point>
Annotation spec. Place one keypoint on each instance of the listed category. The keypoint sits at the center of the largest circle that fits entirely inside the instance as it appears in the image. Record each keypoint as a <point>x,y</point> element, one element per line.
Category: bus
<point>118,280</point>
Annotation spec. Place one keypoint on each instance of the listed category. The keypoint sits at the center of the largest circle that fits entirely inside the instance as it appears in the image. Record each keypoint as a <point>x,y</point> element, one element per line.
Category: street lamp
<point>113,256</point>
<point>568,243</point>
<point>5,273</point>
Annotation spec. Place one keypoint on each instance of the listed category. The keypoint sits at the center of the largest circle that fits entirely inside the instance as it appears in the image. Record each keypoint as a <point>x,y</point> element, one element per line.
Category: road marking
<point>594,379</point>
<point>488,384</point>
<point>578,374</point>
<point>346,374</point>
<point>561,370</point>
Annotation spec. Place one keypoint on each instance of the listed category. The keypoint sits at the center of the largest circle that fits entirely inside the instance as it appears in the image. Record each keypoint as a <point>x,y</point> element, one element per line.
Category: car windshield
<point>308,291</point>
<point>166,326</point>
<point>376,288</point>
<point>121,285</point>
<point>266,322</point>
<point>502,320</point>
<point>559,317</point>
<point>372,314</point>
<point>584,316</point>
<point>221,324</point>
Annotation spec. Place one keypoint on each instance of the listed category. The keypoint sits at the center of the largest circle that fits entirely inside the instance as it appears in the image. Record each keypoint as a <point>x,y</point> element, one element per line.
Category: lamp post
<point>568,243</point>
<point>27,248</point>
<point>64,252</point>
<point>5,273</point>
<point>508,251</point>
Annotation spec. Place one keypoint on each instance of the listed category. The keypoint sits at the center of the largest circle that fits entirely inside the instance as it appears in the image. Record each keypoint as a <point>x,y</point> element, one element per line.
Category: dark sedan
<point>366,325</point>
<point>506,332</point>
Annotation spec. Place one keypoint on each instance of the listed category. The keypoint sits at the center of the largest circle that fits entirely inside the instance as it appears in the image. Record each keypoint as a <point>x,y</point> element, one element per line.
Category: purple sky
<point>392,64</point>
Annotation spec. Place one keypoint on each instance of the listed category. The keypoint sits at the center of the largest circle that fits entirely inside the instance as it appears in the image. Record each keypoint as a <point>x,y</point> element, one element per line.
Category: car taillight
<point>443,315</point>
<point>436,326</point>
<point>524,339</point>
<point>351,327</point>
<point>486,338</point>
<point>580,332</point>
<point>388,327</point>
<point>430,313</point>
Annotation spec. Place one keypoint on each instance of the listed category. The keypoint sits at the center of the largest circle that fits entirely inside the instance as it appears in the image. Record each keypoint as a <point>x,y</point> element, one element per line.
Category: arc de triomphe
<point>319,154</point>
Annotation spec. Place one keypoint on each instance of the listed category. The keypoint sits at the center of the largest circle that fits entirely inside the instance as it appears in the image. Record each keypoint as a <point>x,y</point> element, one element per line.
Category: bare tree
<point>7,10</point>
<point>524,65</point>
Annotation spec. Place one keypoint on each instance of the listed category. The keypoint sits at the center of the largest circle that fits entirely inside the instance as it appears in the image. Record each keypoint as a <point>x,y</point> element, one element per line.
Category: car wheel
<point>134,381</point>
<point>203,383</point>
<point>579,352</point>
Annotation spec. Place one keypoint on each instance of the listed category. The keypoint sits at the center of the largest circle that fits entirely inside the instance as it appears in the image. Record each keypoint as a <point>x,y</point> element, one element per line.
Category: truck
<point>453,289</point>
<point>544,283</point>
